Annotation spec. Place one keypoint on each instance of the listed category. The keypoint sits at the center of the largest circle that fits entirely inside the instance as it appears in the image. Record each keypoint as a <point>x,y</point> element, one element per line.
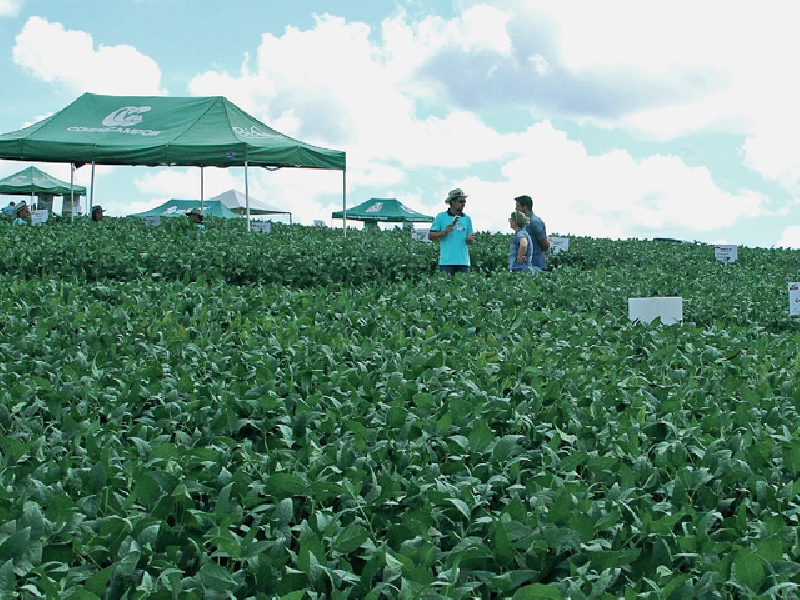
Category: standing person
<point>97,213</point>
<point>196,216</point>
<point>453,230</point>
<point>521,252</point>
<point>23,213</point>
<point>537,231</point>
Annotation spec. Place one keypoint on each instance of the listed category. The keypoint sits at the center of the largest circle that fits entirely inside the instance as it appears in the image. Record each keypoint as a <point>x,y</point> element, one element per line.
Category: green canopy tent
<point>164,131</point>
<point>179,208</point>
<point>387,210</point>
<point>35,182</point>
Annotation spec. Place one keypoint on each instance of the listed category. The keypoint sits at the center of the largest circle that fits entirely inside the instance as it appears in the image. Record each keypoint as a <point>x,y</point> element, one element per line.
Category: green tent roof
<point>161,131</point>
<point>179,208</point>
<point>390,210</point>
<point>35,181</point>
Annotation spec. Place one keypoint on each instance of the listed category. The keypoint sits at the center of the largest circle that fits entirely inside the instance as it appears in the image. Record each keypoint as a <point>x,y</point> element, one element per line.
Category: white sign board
<point>794,298</point>
<point>261,226</point>
<point>318,223</point>
<point>152,221</point>
<point>668,308</point>
<point>38,217</point>
<point>559,244</point>
<point>726,253</point>
<point>421,235</point>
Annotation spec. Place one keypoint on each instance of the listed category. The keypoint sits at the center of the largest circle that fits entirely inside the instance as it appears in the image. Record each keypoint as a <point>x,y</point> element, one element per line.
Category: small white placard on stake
<point>38,217</point>
<point>152,221</point>
<point>668,308</point>
<point>261,226</point>
<point>318,223</point>
<point>421,235</point>
<point>794,298</point>
<point>726,253</point>
<point>559,244</point>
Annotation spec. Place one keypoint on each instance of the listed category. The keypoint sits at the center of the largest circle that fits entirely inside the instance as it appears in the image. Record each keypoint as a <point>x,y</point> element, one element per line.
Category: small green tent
<point>32,181</point>
<point>387,210</point>
<point>179,208</point>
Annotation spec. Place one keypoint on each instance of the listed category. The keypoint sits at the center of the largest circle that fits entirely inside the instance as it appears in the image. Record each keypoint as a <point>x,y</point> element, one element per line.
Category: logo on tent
<point>375,207</point>
<point>254,131</point>
<point>125,116</point>
<point>121,121</point>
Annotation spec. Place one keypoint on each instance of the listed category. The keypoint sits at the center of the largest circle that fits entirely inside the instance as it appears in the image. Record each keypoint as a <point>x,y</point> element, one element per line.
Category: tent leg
<point>246,196</point>
<point>91,192</point>
<point>72,190</point>
<point>201,188</point>
<point>344,202</point>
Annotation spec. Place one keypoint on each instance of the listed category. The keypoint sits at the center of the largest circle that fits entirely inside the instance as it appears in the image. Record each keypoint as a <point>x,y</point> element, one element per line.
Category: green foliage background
<point>219,414</point>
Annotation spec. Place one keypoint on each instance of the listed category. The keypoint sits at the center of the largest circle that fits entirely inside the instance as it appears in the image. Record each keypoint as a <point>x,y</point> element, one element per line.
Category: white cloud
<point>611,195</point>
<point>712,65</point>
<point>371,92</point>
<point>69,58</point>
<point>790,238</point>
<point>10,8</point>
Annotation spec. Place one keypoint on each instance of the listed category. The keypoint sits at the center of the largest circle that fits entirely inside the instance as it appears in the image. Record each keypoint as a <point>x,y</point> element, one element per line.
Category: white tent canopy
<point>237,202</point>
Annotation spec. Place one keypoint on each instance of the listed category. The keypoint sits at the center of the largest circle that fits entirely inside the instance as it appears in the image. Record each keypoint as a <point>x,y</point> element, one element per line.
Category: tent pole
<point>246,196</point>
<point>201,188</point>
<point>344,202</point>
<point>72,190</point>
<point>91,192</point>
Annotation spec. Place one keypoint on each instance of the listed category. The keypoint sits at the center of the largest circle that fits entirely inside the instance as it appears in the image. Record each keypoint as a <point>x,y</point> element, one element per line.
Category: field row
<point>126,250</point>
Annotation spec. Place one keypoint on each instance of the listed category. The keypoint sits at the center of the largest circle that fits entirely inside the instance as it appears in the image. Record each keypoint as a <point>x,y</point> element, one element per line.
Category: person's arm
<point>470,233</point>
<point>544,244</point>
<point>435,236</point>
<point>522,251</point>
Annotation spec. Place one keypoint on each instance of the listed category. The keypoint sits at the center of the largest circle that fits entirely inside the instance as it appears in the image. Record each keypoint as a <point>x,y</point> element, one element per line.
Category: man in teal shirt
<point>453,230</point>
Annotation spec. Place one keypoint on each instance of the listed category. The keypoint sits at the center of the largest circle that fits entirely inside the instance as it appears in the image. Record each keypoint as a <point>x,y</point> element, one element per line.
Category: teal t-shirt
<point>453,248</point>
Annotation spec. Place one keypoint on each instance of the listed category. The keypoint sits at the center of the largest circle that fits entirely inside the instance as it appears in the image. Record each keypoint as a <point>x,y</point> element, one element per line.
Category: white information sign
<point>154,221</point>
<point>726,253</point>
<point>421,235</point>
<point>318,223</point>
<point>559,244</point>
<point>261,226</point>
<point>39,216</point>
<point>794,298</point>
<point>668,308</point>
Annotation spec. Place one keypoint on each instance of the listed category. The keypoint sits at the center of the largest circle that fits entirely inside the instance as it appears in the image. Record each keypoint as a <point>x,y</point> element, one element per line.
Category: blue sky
<point>620,118</point>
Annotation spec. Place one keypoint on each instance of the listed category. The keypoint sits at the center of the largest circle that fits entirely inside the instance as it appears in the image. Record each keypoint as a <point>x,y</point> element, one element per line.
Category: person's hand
<point>470,238</point>
<point>449,228</point>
